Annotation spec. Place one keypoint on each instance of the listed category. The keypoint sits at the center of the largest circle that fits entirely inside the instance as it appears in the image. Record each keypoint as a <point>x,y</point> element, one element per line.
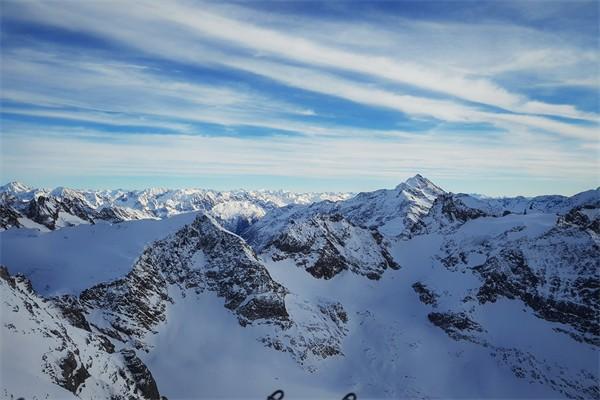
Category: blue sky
<point>500,98</point>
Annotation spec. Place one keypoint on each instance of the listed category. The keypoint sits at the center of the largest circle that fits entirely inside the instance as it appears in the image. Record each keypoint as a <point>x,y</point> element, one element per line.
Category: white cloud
<point>300,49</point>
<point>123,94</point>
<point>396,74</point>
<point>154,27</point>
<point>155,155</point>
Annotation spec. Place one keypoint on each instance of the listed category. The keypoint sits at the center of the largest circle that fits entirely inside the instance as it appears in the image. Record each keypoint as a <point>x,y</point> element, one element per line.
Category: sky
<point>498,98</point>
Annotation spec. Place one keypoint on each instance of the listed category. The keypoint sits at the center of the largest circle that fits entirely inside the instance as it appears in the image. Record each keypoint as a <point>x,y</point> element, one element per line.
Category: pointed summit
<point>419,182</point>
<point>14,188</point>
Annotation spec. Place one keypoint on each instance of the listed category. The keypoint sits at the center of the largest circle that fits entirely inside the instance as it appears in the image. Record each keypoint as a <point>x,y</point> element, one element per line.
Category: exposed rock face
<point>426,295</point>
<point>72,375</point>
<point>328,245</point>
<point>132,306</point>
<point>72,311</point>
<point>316,331</point>
<point>61,207</point>
<point>447,212</point>
<point>43,211</point>
<point>456,325</point>
<point>205,257</point>
<point>554,296</point>
<point>144,382</point>
<point>585,217</point>
<point>390,212</point>
<point>115,214</point>
<point>9,217</point>
<point>555,273</point>
<point>81,362</point>
<point>201,256</point>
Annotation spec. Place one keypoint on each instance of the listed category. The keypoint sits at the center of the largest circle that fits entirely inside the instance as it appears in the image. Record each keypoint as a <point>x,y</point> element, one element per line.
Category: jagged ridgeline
<point>411,292</point>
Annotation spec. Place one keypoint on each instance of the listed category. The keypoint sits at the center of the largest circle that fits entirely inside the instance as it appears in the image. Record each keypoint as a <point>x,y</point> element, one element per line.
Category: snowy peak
<point>199,257</point>
<point>419,182</point>
<point>391,212</point>
<point>14,188</point>
<point>498,284</point>
<point>234,209</point>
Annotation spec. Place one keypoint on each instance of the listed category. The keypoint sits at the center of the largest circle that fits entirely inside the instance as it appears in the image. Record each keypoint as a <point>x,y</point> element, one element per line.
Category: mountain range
<point>410,292</point>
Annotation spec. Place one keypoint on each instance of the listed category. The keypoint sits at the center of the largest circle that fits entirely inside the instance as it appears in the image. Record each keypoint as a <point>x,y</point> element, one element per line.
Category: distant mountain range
<point>411,292</point>
<point>22,206</point>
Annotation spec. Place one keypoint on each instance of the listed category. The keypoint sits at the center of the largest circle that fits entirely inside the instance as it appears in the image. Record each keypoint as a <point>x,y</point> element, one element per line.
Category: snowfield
<point>411,292</point>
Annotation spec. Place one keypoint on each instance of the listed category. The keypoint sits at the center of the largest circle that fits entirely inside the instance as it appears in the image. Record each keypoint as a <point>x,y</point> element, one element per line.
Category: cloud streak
<point>387,92</point>
<point>157,155</point>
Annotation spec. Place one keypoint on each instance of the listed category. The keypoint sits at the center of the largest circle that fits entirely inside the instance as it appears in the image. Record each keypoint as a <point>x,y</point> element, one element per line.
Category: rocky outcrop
<point>555,272</point>
<point>456,325</point>
<point>132,306</point>
<point>72,310</point>
<point>426,295</point>
<point>326,245</point>
<point>205,257</point>
<point>201,256</point>
<point>447,212</point>
<point>315,333</point>
<point>51,347</point>
<point>392,213</point>
<point>9,217</point>
<point>585,218</point>
<point>43,211</point>
<point>144,382</point>
<point>509,275</point>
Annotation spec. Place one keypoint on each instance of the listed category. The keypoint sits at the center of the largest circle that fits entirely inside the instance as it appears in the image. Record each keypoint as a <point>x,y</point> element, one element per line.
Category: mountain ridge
<point>392,293</point>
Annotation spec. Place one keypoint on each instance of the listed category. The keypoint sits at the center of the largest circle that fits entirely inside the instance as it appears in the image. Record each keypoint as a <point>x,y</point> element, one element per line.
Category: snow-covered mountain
<point>49,351</point>
<point>21,206</point>
<point>409,292</point>
<point>391,212</point>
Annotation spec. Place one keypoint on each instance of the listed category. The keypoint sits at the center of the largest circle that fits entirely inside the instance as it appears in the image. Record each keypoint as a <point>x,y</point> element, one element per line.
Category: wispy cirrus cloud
<point>323,158</point>
<point>211,69</point>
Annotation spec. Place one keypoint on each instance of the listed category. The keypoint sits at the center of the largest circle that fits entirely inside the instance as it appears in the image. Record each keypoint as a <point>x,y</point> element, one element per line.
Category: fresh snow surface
<point>394,351</point>
<point>390,348</point>
<point>72,259</point>
<point>202,352</point>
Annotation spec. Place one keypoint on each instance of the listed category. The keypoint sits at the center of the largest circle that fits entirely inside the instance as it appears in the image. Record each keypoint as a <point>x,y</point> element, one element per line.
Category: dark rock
<point>456,325</point>
<point>144,381</point>
<point>73,311</point>
<point>5,275</point>
<point>73,375</point>
<point>318,244</point>
<point>426,295</point>
<point>9,217</point>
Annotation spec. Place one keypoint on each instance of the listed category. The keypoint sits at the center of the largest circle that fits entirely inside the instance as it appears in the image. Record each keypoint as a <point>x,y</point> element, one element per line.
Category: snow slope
<point>489,301</point>
<point>72,259</point>
<point>44,355</point>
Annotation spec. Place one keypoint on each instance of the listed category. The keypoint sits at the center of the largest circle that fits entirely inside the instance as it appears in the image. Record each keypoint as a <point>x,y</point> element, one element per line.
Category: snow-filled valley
<point>411,292</point>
